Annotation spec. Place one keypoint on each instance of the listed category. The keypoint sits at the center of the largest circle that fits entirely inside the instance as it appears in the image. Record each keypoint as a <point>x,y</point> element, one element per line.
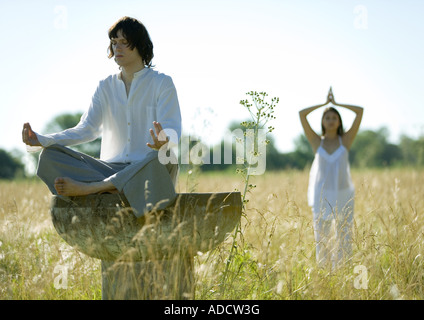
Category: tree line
<point>371,149</point>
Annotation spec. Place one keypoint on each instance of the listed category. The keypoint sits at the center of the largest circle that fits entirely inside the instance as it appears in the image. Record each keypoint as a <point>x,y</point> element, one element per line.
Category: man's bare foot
<point>68,187</point>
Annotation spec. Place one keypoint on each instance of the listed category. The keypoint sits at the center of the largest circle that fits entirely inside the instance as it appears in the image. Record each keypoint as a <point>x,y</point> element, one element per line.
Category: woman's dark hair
<point>340,130</point>
<point>137,36</point>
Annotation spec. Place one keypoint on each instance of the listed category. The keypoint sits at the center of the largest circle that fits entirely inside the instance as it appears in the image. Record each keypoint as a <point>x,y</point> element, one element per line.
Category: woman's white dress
<point>331,190</point>
<point>331,196</point>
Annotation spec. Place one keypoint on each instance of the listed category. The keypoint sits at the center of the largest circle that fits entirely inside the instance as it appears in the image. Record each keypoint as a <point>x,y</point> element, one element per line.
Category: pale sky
<point>53,54</point>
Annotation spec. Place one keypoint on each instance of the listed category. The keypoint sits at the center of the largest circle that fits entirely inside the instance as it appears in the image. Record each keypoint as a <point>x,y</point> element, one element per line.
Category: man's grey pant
<point>146,184</point>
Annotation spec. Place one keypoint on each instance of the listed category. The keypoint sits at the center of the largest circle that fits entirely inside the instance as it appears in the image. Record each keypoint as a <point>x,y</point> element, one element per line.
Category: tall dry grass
<point>35,263</point>
<point>275,256</point>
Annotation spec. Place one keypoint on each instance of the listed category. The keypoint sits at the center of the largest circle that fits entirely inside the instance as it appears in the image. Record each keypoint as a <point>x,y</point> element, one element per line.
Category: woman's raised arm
<point>350,134</point>
<point>313,138</point>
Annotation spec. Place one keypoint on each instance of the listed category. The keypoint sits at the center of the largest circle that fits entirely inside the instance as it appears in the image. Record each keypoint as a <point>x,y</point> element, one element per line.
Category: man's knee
<point>48,158</point>
<point>43,160</point>
<point>46,153</point>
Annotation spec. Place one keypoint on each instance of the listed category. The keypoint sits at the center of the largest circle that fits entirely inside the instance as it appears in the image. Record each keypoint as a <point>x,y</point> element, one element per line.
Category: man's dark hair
<point>137,36</point>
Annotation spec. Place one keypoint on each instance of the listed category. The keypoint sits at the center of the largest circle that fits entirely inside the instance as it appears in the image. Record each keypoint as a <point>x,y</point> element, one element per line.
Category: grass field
<point>275,257</point>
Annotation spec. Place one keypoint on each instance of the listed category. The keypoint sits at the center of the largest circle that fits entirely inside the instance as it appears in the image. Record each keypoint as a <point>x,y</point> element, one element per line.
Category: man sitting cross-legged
<point>122,111</point>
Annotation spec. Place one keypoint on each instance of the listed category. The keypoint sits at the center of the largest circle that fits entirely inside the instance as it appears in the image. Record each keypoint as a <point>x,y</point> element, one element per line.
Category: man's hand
<point>160,138</point>
<point>29,137</point>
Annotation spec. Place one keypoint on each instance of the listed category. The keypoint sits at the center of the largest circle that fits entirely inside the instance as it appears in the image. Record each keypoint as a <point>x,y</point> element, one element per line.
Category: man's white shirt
<point>124,121</point>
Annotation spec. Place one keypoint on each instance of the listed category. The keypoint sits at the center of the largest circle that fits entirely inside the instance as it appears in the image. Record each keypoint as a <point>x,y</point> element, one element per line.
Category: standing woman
<point>331,191</point>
